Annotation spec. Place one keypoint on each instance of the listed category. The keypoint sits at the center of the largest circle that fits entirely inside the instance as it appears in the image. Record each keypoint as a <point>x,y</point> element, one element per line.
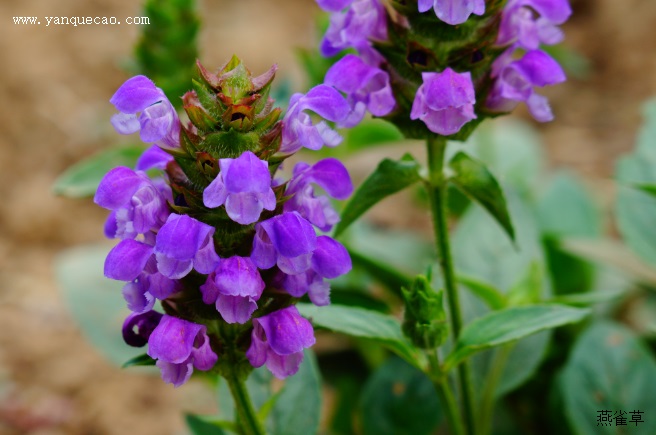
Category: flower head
<point>367,87</point>
<point>529,23</point>
<point>234,287</point>
<point>445,101</point>
<point>278,340</point>
<point>331,175</point>
<point>453,11</point>
<point>158,120</point>
<point>179,346</point>
<point>244,186</point>
<point>298,130</point>
<point>184,243</point>
<point>515,80</point>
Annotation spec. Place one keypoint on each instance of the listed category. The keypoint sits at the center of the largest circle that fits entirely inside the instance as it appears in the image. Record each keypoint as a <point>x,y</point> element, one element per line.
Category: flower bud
<point>424,321</point>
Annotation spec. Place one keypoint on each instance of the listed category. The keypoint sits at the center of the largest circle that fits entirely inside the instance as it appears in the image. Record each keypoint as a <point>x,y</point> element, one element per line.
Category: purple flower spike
<point>278,340</point>
<point>331,175</point>
<point>529,23</point>
<point>329,260</point>
<point>453,11</point>
<point>184,243</point>
<point>515,80</point>
<point>298,130</point>
<point>180,346</point>
<point>244,186</point>
<point>286,240</point>
<point>145,324</point>
<point>445,101</point>
<point>158,121</point>
<point>138,205</point>
<point>366,86</point>
<point>234,287</point>
<point>353,27</point>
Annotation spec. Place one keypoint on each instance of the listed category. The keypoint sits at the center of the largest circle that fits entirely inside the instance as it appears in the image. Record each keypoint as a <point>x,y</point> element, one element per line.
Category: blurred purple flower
<point>158,121</point>
<point>298,130</point>
<point>352,24</point>
<point>180,346</point>
<point>445,101</point>
<point>515,80</point>
<point>331,175</point>
<point>138,205</point>
<point>244,186</point>
<point>366,87</point>
<point>234,287</point>
<point>145,324</point>
<point>278,340</point>
<point>529,23</point>
<point>184,243</point>
<point>453,11</point>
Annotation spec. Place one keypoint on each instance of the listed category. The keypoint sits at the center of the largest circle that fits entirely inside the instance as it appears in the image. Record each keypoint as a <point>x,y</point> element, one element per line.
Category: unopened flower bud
<point>424,321</point>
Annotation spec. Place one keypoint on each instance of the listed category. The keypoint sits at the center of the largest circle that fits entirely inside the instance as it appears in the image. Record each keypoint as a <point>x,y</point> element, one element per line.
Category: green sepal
<point>141,360</point>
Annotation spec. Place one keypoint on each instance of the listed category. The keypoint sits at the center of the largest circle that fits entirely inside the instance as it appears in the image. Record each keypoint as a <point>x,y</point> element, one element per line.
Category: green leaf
<point>399,399</point>
<point>81,180</point>
<point>588,298</point>
<point>199,425</point>
<point>501,327</point>
<point>388,178</point>
<point>647,188</point>
<point>477,182</point>
<point>635,209</point>
<point>94,301</point>
<point>492,297</point>
<point>360,323</point>
<point>609,369</point>
<point>297,410</point>
<point>141,360</point>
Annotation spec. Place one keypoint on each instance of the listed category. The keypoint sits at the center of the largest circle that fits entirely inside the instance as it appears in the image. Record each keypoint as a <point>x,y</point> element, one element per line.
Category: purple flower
<point>158,121</point>
<point>298,130</point>
<point>127,260</point>
<point>278,340</point>
<point>153,158</point>
<point>529,23</point>
<point>453,11</point>
<point>145,324</point>
<point>331,175</point>
<point>184,243</point>
<point>234,287</point>
<point>286,240</point>
<point>445,101</point>
<point>367,87</point>
<point>515,80</point>
<point>180,346</point>
<point>149,286</point>
<point>138,205</point>
<point>329,260</point>
<point>354,26</point>
<point>244,186</point>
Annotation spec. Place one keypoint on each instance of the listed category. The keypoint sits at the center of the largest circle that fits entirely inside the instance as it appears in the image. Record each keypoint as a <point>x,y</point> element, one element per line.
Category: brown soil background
<point>55,83</point>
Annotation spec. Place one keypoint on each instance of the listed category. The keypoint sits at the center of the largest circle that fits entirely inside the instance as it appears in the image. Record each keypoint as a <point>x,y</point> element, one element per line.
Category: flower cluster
<point>219,227</point>
<point>436,73</point>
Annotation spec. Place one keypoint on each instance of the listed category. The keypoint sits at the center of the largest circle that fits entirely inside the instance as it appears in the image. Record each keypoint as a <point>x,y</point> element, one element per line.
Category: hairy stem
<point>436,147</point>
<point>248,423</point>
<point>441,383</point>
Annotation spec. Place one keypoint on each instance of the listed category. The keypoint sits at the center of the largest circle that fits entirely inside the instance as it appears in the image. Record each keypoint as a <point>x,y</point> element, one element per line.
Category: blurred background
<point>55,83</point>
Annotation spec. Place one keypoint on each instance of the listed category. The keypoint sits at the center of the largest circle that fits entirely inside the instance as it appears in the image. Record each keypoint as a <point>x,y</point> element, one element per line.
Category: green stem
<point>248,420</point>
<point>436,147</point>
<point>487,403</point>
<point>441,383</point>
